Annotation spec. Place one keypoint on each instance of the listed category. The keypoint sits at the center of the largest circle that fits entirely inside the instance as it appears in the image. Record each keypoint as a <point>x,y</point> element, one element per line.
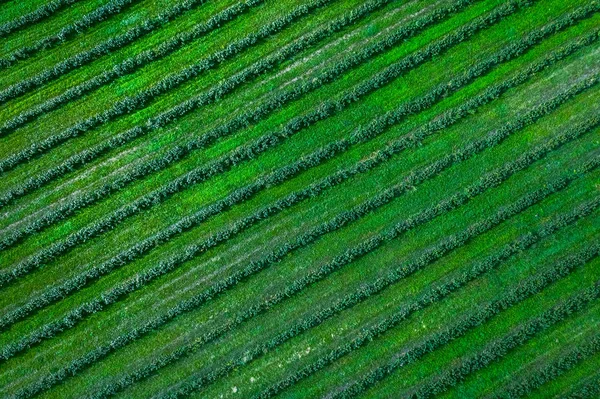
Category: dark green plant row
<point>490,180</point>
<point>225,163</point>
<point>126,67</point>
<point>545,373</point>
<point>224,88</point>
<point>87,21</point>
<point>100,50</point>
<point>481,315</point>
<point>58,293</point>
<point>168,83</point>
<point>35,16</point>
<point>317,157</point>
<point>587,389</point>
<point>425,299</point>
<point>521,334</point>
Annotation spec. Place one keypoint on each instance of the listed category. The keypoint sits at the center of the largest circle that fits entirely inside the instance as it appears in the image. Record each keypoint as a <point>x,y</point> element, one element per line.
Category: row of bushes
<point>545,372</point>
<point>87,21</point>
<point>282,174</point>
<point>428,297</point>
<point>35,16</point>
<point>298,285</point>
<point>168,83</point>
<point>127,66</point>
<point>435,293</point>
<point>104,48</point>
<point>589,388</point>
<point>520,334</point>
<point>240,154</point>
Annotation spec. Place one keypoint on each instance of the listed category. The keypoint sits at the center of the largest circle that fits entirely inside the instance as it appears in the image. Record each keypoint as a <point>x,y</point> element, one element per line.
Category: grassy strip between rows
<point>493,179</point>
<point>126,67</point>
<point>35,16</point>
<point>88,56</point>
<point>425,299</point>
<point>226,87</point>
<point>168,83</point>
<point>519,335</point>
<point>545,373</point>
<point>363,166</point>
<point>67,32</point>
<point>241,153</point>
<point>217,93</point>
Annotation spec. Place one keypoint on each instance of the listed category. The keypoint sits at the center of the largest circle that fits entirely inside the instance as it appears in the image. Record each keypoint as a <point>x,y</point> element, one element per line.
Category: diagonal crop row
<point>232,83</point>
<point>492,179</point>
<point>107,47</point>
<point>166,84</point>
<point>126,67</point>
<point>238,155</point>
<point>74,28</point>
<point>482,314</point>
<point>588,389</point>
<point>35,16</point>
<point>545,373</point>
<point>76,283</point>
<point>425,299</point>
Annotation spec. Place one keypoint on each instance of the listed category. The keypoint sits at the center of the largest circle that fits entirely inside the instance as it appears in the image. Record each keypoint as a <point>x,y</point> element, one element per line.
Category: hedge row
<point>587,389</point>
<point>521,334</point>
<point>87,21</point>
<point>35,16</point>
<point>168,83</point>
<point>242,153</point>
<point>425,299</point>
<point>219,91</point>
<point>360,135</point>
<point>127,66</point>
<point>88,56</point>
<point>481,315</point>
<point>544,373</point>
<point>456,200</point>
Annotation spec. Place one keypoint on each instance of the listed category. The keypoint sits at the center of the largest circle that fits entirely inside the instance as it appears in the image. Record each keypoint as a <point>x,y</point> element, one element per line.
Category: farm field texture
<point>300,198</point>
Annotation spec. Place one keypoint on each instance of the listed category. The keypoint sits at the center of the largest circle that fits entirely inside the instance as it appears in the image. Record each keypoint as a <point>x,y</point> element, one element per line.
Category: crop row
<point>59,292</point>
<point>215,94</point>
<point>362,134</point>
<point>170,82</point>
<point>425,299</point>
<point>238,155</point>
<point>548,372</point>
<point>127,66</point>
<point>34,16</point>
<point>588,389</point>
<point>224,88</point>
<point>88,56</point>
<point>492,179</point>
<point>482,314</point>
<point>87,21</point>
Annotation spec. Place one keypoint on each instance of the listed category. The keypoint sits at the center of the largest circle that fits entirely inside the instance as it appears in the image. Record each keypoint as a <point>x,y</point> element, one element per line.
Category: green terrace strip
<point>547,372</point>
<point>430,256</point>
<point>246,152</point>
<point>87,21</point>
<point>171,81</point>
<point>104,48</point>
<point>491,180</point>
<point>430,296</point>
<point>60,292</point>
<point>483,313</point>
<point>233,82</point>
<point>43,12</point>
<point>126,67</point>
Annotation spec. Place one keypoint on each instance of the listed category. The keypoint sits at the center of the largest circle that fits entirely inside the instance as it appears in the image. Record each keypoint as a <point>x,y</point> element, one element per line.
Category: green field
<point>300,198</point>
